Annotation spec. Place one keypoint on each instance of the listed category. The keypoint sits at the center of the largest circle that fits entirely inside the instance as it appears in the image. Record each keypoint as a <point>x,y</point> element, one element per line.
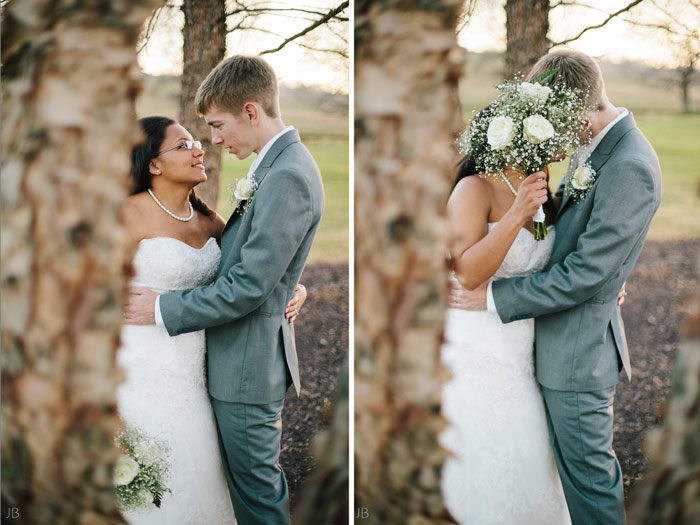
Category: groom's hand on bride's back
<point>459,297</point>
<point>140,306</point>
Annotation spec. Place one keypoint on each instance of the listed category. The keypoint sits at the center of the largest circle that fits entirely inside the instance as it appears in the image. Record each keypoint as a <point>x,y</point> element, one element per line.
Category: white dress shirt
<point>256,162</point>
<point>583,156</point>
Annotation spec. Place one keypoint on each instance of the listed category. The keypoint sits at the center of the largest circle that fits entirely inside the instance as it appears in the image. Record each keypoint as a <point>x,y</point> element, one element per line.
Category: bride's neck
<point>175,198</point>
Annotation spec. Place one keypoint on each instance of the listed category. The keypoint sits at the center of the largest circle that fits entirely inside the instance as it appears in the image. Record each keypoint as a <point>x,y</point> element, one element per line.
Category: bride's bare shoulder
<point>471,189</point>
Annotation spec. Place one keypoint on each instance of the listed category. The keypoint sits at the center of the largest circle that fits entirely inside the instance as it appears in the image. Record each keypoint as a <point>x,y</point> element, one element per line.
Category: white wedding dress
<point>501,469</point>
<point>165,394</point>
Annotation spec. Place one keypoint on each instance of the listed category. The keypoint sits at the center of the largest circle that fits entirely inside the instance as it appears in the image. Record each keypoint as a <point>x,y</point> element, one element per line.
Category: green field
<point>655,105</point>
<point>331,244</point>
<point>324,130</point>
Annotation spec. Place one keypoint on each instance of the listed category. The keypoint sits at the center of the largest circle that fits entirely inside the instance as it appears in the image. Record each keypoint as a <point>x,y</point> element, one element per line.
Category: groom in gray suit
<point>251,357</point>
<point>580,344</point>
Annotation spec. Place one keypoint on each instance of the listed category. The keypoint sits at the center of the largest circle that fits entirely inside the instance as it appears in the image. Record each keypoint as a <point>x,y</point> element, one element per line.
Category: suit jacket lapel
<point>263,168</point>
<point>601,153</point>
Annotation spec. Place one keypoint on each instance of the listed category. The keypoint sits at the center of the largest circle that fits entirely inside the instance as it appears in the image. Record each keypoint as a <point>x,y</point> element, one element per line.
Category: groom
<point>251,357</point>
<point>579,337</point>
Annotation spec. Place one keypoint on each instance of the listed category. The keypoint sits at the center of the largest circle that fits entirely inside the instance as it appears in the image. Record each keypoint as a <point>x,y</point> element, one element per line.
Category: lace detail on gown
<point>165,394</point>
<point>502,469</point>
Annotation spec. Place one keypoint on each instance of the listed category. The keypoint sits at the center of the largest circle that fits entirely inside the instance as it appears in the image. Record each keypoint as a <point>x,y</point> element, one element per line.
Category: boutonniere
<point>242,194</point>
<point>580,182</point>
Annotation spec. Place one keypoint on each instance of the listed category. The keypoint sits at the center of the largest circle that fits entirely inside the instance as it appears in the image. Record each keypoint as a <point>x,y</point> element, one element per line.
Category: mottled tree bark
<point>324,498</point>
<point>204,44</point>
<point>69,80</point>
<point>407,114</point>
<point>670,493</point>
<point>527,24</point>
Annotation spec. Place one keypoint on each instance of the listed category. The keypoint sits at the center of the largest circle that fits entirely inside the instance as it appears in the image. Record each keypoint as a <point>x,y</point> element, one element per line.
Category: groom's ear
<point>251,112</point>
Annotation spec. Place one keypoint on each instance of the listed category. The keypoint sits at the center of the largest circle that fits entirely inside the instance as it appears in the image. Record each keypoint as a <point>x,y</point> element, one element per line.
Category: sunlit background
<point>296,64</point>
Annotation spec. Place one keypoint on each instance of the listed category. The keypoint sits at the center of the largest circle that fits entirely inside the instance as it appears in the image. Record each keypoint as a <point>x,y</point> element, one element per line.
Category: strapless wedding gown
<point>502,469</point>
<point>165,394</point>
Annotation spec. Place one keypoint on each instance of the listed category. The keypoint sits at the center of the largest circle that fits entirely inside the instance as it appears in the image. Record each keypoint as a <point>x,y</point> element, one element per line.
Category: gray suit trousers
<point>581,431</point>
<point>249,442</point>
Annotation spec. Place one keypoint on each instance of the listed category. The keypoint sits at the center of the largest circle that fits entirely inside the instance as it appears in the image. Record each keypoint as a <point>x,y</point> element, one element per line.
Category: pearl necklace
<point>505,179</point>
<point>166,210</point>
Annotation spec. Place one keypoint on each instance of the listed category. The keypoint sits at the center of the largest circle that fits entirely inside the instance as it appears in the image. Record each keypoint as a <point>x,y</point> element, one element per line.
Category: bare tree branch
<point>597,26</point>
<point>150,27</point>
<point>328,16</point>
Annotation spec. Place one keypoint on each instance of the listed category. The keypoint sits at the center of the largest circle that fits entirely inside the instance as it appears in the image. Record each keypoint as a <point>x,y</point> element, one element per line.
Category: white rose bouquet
<point>242,193</point>
<point>524,129</point>
<point>141,473</point>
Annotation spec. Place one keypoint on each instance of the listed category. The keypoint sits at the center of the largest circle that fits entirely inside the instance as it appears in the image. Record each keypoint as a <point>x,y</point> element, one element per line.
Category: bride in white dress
<point>164,394</point>
<point>501,468</point>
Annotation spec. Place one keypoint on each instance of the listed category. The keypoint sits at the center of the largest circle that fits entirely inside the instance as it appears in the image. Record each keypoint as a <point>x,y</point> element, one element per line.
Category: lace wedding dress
<point>501,469</point>
<point>165,394</point>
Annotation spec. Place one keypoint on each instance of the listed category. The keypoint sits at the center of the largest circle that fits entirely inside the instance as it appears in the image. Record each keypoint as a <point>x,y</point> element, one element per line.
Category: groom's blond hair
<point>236,81</point>
<point>576,70</point>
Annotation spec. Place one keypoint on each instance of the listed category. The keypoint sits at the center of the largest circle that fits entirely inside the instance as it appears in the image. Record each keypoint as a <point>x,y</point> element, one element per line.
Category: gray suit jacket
<point>251,354</point>
<point>578,328</point>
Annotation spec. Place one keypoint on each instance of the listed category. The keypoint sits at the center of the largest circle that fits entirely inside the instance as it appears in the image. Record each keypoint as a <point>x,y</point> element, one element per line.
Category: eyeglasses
<point>188,145</point>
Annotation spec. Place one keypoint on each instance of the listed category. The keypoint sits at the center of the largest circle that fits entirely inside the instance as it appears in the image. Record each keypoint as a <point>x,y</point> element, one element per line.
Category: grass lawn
<point>674,136</point>
<point>331,243</point>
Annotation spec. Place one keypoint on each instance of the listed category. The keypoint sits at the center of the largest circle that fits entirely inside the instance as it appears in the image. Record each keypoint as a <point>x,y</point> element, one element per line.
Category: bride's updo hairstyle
<point>154,132</point>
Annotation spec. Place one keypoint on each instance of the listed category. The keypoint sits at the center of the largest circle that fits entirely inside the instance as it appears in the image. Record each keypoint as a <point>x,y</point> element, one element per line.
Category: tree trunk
<point>670,493</point>
<point>69,82</point>
<point>527,23</point>
<point>407,114</point>
<point>686,77</point>
<point>204,44</point>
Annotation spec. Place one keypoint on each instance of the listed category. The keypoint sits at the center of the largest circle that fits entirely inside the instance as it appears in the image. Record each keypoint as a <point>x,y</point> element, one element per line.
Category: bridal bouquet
<point>140,474</point>
<point>527,126</point>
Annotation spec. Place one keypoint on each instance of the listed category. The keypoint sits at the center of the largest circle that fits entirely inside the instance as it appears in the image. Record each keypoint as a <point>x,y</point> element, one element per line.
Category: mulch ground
<point>664,274</point>
<point>322,340</point>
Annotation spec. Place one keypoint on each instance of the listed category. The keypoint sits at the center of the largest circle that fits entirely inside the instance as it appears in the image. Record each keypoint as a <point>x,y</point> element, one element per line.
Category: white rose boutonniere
<point>537,129</point>
<point>501,132</point>
<point>242,193</point>
<point>580,181</point>
<point>534,92</point>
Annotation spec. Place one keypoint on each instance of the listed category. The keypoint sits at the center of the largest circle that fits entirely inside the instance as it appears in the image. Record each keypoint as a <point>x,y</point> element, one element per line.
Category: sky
<point>616,41</point>
<point>294,65</point>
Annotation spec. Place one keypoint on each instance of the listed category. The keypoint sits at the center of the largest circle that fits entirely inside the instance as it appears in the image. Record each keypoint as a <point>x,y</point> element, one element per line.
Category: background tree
<point>527,24</point>
<point>69,79</point>
<point>407,114</point>
<point>204,45</point>
<point>527,28</point>
<point>676,26</point>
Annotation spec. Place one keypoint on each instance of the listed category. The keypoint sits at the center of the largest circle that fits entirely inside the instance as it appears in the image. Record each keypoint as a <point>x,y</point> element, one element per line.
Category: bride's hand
<point>621,295</point>
<point>295,303</point>
<point>459,297</point>
<point>532,194</point>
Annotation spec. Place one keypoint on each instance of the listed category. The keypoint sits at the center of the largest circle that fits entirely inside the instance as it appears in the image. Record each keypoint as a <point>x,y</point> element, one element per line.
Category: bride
<point>164,394</point>
<point>501,468</point>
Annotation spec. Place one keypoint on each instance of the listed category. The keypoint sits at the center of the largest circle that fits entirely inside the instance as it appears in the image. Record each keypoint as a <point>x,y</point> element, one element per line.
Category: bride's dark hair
<point>466,166</point>
<point>154,131</point>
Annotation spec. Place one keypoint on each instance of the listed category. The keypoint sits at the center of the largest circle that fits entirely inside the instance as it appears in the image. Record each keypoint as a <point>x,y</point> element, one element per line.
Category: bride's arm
<point>477,253</point>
